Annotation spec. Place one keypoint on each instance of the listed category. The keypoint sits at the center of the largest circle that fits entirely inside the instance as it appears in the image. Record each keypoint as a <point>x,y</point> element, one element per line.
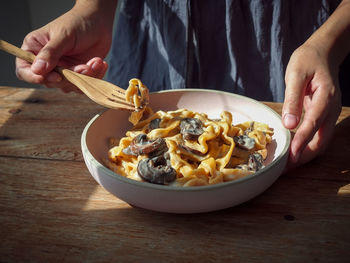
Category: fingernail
<point>290,120</point>
<point>95,66</point>
<point>54,78</point>
<point>39,65</point>
<point>85,71</point>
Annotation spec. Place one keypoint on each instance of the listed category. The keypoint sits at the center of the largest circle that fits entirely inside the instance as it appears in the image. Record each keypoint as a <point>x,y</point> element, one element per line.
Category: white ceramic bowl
<point>113,123</point>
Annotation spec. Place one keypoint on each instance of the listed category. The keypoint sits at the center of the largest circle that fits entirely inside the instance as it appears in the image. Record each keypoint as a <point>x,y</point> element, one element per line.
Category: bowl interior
<point>114,123</point>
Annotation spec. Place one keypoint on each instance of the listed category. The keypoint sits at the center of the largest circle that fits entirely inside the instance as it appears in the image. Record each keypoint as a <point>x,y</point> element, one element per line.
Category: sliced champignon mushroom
<point>255,162</point>
<point>191,128</point>
<point>154,124</point>
<point>250,129</point>
<point>141,145</point>
<point>193,151</point>
<point>127,151</point>
<point>244,142</point>
<point>156,170</point>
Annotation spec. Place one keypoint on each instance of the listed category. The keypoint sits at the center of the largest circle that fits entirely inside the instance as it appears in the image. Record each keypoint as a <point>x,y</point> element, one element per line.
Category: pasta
<point>137,93</point>
<point>186,148</point>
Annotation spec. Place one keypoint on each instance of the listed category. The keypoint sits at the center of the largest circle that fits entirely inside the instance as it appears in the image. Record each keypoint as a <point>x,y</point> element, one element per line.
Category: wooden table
<point>52,210</point>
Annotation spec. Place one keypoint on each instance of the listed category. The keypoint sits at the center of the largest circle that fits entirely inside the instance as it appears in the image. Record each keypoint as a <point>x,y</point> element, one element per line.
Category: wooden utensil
<point>100,91</point>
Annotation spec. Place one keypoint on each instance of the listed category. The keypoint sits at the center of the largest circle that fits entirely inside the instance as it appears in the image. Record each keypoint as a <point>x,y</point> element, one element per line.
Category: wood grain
<point>43,123</point>
<point>53,211</point>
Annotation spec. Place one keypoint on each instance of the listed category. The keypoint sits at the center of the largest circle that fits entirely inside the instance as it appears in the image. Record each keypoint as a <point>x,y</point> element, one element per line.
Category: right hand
<point>77,40</point>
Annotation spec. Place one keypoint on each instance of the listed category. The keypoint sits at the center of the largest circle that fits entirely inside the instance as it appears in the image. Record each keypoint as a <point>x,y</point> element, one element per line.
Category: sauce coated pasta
<point>186,148</point>
<point>137,93</point>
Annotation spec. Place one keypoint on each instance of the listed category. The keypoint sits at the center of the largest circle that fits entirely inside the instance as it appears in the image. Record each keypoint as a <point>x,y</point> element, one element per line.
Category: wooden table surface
<point>52,210</point>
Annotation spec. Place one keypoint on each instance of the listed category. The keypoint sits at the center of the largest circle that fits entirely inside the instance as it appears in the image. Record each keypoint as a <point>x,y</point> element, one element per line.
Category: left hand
<point>312,86</point>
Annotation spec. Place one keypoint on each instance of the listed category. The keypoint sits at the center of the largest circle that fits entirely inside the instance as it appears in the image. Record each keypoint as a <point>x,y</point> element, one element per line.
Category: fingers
<point>315,114</point>
<point>315,146</point>
<point>49,55</point>
<point>38,73</point>
<point>319,142</point>
<point>24,72</point>
<point>23,68</point>
<point>322,107</point>
<point>296,83</point>
<point>98,66</point>
<point>95,67</point>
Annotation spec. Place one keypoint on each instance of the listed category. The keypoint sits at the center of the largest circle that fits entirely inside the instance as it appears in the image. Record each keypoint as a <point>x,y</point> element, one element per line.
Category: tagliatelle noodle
<point>137,93</point>
<point>212,158</point>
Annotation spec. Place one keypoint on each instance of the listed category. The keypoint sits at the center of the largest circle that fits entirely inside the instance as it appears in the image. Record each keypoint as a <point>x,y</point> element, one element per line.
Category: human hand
<point>311,85</point>
<point>77,40</point>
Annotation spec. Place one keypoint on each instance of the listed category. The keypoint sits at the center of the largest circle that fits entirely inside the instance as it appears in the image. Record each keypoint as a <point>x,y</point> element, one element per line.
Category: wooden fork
<point>100,91</point>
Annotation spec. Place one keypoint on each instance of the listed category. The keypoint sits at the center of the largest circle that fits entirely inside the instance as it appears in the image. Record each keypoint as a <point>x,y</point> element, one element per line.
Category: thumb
<point>294,96</point>
<point>48,57</point>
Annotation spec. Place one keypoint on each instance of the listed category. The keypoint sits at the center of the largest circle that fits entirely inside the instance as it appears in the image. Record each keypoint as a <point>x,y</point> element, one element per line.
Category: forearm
<point>333,37</point>
<point>100,10</point>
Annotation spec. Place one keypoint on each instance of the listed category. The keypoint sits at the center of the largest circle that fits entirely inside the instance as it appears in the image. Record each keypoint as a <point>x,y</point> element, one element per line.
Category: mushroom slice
<point>191,128</point>
<point>154,124</point>
<point>244,142</point>
<point>255,162</point>
<point>141,145</point>
<point>190,150</point>
<point>250,129</point>
<point>156,170</point>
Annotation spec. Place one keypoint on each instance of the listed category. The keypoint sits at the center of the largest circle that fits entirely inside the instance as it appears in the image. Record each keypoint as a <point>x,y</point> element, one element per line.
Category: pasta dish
<point>186,148</point>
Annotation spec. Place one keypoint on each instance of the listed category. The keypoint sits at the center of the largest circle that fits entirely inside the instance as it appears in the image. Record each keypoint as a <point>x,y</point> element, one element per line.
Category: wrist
<point>332,39</point>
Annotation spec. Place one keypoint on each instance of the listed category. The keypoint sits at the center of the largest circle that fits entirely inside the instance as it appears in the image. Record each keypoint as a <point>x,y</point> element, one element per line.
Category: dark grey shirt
<point>238,46</point>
